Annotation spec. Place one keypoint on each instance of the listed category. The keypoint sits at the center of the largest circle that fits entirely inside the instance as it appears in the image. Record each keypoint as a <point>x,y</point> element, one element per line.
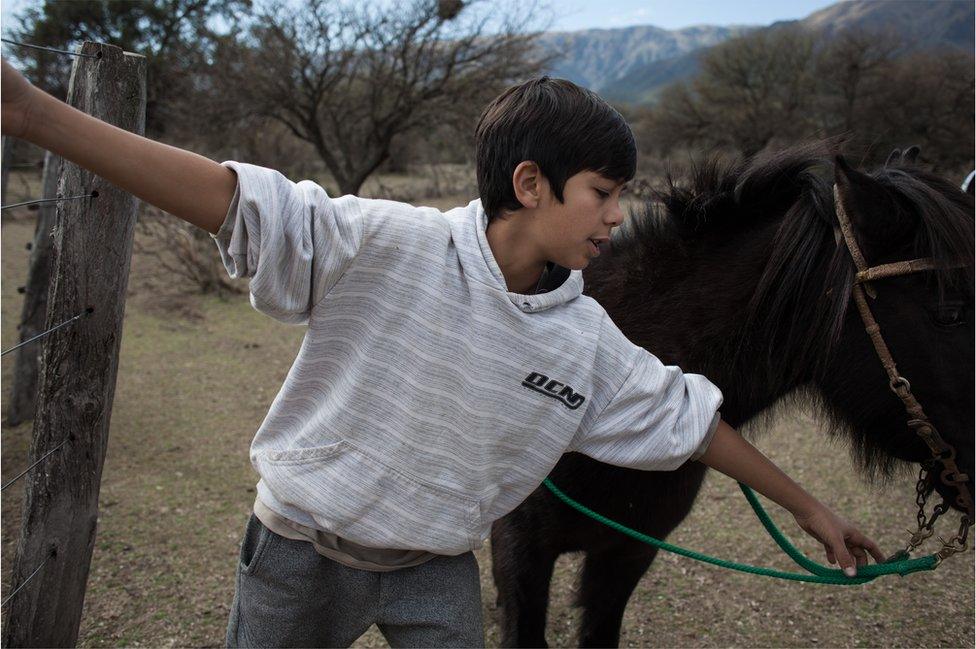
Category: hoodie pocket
<point>353,494</point>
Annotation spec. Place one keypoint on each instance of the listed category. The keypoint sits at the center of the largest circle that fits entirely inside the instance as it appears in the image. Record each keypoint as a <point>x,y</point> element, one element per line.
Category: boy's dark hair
<point>563,128</point>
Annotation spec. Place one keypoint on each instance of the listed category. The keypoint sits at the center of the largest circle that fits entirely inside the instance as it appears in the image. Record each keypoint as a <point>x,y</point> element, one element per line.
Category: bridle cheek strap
<point>923,427</point>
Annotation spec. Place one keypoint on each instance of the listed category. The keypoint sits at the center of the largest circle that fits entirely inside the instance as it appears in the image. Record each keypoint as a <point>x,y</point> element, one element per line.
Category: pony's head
<point>901,212</point>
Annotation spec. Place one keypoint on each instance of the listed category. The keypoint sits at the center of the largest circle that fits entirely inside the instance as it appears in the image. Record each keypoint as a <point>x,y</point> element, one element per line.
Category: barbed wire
<point>49,200</point>
<point>87,311</point>
<point>51,49</point>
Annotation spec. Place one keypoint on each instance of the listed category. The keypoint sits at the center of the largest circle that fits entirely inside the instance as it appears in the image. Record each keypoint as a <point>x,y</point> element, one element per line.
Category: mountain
<point>642,83</point>
<point>632,64</point>
<point>596,58</point>
<point>923,23</point>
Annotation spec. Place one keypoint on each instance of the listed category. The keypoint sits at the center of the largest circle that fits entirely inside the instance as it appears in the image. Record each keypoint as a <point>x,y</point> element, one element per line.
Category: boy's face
<point>570,232</point>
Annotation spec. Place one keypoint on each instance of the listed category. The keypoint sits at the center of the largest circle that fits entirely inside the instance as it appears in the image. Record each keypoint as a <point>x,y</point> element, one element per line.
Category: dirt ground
<point>196,376</point>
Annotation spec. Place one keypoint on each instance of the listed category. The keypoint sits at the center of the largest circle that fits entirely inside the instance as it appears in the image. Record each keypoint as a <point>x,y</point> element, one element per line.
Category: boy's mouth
<point>595,245</point>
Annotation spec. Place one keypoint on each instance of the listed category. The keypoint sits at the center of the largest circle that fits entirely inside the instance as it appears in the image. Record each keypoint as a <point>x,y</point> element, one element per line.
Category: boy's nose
<point>615,216</point>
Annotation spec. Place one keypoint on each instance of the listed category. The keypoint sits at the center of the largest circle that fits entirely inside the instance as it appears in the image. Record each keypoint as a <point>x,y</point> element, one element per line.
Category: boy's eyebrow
<point>612,181</point>
<point>615,183</point>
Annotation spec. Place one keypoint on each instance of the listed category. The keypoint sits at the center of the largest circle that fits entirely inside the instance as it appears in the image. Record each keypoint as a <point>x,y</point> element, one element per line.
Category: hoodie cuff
<point>708,437</point>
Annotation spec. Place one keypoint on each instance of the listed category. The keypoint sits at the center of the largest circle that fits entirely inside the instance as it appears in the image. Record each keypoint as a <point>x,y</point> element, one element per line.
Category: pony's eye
<point>949,315</point>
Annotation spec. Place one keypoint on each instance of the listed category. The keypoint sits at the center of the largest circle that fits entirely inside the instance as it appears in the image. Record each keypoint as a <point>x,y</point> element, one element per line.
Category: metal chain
<point>922,490</point>
<point>958,542</point>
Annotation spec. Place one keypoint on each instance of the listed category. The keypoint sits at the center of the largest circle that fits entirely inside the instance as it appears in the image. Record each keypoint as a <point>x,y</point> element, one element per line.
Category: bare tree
<point>852,71</point>
<point>782,85</point>
<point>351,78</point>
<point>928,100</point>
<point>174,36</point>
<point>751,90</point>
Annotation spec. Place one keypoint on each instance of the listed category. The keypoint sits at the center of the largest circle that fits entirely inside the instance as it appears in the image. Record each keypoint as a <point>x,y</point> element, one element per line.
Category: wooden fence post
<point>79,362</point>
<point>23,392</point>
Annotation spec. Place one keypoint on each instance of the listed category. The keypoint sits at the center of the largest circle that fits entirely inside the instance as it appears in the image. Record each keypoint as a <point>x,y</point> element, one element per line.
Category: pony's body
<point>742,279</point>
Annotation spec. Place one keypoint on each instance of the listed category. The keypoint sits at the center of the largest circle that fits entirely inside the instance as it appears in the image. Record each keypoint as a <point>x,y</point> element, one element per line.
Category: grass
<point>196,377</point>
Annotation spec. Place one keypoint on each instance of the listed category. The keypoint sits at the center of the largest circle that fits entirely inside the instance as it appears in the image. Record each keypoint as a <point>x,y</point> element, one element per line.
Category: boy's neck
<point>520,263</point>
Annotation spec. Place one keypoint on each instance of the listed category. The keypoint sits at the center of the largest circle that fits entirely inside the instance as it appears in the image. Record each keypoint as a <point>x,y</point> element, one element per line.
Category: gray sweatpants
<point>288,595</point>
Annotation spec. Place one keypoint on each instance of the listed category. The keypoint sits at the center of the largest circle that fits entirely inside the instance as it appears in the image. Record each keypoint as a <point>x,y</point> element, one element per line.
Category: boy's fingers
<point>860,556</point>
<point>844,557</point>
<point>861,543</point>
<point>875,551</point>
<point>878,555</point>
<point>831,559</point>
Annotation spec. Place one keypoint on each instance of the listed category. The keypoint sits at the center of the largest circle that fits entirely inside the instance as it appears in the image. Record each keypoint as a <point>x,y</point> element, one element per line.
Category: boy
<point>450,360</point>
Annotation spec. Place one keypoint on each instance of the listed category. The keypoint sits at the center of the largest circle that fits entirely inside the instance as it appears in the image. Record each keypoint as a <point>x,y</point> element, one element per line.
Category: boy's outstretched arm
<point>187,185</point>
<point>729,453</point>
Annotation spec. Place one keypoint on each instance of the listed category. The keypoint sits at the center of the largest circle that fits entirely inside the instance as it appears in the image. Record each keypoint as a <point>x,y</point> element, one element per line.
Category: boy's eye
<point>603,194</point>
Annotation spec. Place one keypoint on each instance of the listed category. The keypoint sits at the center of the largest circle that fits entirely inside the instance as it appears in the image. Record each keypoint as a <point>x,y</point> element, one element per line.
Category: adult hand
<point>843,543</point>
<point>17,99</point>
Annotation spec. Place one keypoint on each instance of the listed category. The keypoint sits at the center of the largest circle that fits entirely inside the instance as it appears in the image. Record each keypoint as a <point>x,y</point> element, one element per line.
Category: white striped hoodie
<point>427,400</point>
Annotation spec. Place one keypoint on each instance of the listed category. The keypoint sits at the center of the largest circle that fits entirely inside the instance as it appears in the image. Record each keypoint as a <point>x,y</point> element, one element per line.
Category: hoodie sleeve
<point>291,239</point>
<point>656,418</point>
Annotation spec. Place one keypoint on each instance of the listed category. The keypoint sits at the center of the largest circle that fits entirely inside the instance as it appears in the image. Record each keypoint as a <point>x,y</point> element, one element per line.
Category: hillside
<point>632,64</point>
<point>596,58</point>
<point>923,23</point>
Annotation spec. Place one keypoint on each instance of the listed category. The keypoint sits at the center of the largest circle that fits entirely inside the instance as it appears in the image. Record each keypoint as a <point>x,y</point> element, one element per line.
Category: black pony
<point>740,276</point>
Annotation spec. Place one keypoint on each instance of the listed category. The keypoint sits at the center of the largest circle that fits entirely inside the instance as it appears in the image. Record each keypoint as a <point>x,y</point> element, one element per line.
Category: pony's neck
<point>688,303</point>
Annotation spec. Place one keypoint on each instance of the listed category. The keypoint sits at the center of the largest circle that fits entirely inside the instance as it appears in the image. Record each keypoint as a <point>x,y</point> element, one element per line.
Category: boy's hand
<point>843,543</point>
<point>17,95</point>
<point>729,453</point>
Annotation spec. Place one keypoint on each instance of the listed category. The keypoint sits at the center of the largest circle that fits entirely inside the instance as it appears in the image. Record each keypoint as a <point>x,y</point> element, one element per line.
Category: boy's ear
<point>528,183</point>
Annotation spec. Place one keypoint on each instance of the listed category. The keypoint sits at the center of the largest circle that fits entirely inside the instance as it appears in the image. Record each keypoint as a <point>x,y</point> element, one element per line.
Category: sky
<point>572,15</point>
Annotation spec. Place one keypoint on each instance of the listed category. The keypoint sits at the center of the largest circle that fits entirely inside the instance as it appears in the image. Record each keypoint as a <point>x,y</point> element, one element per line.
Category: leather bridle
<point>942,452</point>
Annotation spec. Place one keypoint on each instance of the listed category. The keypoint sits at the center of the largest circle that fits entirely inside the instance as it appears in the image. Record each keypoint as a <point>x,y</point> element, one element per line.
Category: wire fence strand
<point>47,200</point>
<point>41,459</point>
<point>26,581</point>
<point>49,49</point>
<point>87,311</point>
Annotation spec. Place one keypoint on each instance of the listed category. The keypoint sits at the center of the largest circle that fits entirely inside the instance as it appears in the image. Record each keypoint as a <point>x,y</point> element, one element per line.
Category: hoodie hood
<point>468,228</point>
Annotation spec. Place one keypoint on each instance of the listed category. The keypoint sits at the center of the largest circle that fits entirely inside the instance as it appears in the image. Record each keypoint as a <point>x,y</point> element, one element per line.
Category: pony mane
<point>726,194</point>
<point>946,222</point>
<point>799,305</point>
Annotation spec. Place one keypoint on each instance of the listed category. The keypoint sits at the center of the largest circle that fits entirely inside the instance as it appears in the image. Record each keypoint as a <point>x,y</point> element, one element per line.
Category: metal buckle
<point>900,382</point>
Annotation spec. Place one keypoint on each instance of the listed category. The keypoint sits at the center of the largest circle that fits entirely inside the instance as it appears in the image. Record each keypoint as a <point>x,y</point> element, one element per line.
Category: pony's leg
<point>522,567</point>
<point>608,579</point>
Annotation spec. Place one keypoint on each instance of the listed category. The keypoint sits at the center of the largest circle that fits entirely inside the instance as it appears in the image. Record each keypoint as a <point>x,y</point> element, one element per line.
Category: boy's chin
<point>572,262</point>
<point>579,264</point>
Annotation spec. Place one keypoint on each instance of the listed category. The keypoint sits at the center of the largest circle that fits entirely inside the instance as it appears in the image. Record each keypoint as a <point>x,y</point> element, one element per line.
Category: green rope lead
<point>900,567</point>
<point>821,574</point>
